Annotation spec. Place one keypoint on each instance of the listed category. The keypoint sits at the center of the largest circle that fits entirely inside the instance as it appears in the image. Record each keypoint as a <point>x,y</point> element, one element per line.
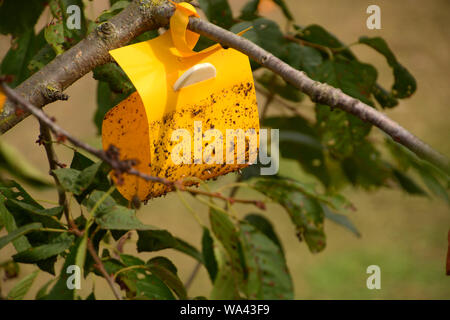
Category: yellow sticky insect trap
<point>194,107</point>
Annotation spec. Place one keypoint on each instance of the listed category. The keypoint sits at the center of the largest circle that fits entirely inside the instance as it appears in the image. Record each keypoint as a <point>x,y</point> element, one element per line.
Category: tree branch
<point>320,92</point>
<point>111,156</point>
<point>46,139</point>
<point>143,15</point>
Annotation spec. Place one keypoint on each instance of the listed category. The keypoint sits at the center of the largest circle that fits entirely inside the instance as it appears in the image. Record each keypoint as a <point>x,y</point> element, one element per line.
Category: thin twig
<point>101,268</point>
<point>45,138</point>
<point>110,156</point>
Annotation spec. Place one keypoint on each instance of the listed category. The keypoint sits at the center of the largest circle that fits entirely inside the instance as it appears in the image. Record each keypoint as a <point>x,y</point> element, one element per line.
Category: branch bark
<point>143,15</point>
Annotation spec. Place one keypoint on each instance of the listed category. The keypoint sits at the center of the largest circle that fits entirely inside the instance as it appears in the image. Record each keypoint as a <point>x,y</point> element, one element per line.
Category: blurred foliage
<point>244,257</point>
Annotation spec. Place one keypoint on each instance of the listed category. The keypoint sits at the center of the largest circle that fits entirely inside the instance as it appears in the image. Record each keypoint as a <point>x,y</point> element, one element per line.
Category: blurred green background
<point>406,236</point>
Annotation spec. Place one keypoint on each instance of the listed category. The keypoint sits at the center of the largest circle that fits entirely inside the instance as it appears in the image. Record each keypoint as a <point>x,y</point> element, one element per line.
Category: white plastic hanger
<point>198,73</point>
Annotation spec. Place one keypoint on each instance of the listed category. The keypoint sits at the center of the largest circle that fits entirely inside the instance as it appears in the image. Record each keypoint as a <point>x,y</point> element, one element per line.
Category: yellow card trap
<point>194,113</point>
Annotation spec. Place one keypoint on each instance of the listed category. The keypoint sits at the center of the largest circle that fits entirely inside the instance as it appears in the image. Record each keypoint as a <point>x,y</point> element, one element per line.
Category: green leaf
<point>342,132</point>
<point>225,286</point>
<point>407,183</point>
<point>265,226</point>
<point>404,84</point>
<point>300,141</point>
<point>217,12</point>
<point>106,99</point>
<point>82,182</point>
<point>151,287</point>
<point>34,254</point>
<point>265,33</point>
<point>306,212</point>
<point>365,167</point>
<point>111,216</point>
<point>54,35</point>
<point>115,77</point>
<point>155,240</point>
<point>21,243</point>
<point>16,20</point>
<point>208,254</point>
<point>250,10</point>
<point>268,276</point>
<point>18,233</point>
<point>43,290</point>
<point>60,291</point>
<point>19,55</point>
<point>16,164</point>
<point>115,8</point>
<point>22,287</point>
<point>384,98</point>
<point>164,269</point>
<point>48,217</point>
<point>276,85</point>
<point>318,35</point>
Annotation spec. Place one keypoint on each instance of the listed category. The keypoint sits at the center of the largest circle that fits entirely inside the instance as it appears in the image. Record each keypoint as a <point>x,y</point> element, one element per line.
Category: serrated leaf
<point>306,212</point>
<point>82,182</point>
<point>225,232</point>
<point>106,99</point>
<point>19,55</point>
<point>163,268</point>
<point>22,287</point>
<point>342,220</point>
<point>115,8</point>
<point>407,183</point>
<point>268,276</point>
<point>342,132</point>
<point>265,226</point>
<point>15,20</point>
<point>365,167</point>
<point>250,10</point>
<point>276,85</point>
<point>34,254</point>
<point>18,233</point>
<point>15,164</point>
<point>404,83</point>
<point>299,141</point>
<point>42,292</point>
<point>303,58</point>
<point>208,254</point>
<point>217,12</point>
<point>115,77</point>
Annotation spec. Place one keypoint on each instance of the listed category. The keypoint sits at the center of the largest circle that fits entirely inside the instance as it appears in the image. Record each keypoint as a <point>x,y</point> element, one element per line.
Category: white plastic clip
<point>198,73</point>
